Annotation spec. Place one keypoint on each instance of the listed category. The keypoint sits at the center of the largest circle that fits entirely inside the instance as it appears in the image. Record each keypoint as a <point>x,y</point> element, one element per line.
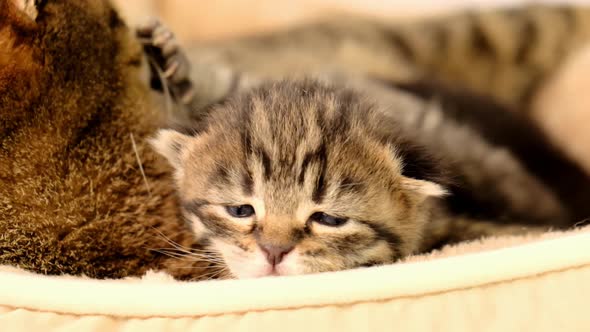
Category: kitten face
<point>297,178</point>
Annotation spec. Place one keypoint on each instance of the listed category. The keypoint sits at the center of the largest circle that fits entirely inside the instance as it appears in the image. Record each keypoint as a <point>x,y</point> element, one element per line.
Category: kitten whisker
<point>213,275</point>
<point>581,223</point>
<point>181,254</point>
<point>169,240</point>
<point>165,87</point>
<point>178,250</point>
<point>145,180</point>
<point>173,255</point>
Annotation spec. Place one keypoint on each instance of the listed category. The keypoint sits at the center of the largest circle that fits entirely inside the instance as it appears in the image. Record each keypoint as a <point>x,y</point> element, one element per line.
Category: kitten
<point>505,53</point>
<point>297,177</point>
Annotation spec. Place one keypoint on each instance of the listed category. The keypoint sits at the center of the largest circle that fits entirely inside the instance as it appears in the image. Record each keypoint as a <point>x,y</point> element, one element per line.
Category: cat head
<point>299,177</point>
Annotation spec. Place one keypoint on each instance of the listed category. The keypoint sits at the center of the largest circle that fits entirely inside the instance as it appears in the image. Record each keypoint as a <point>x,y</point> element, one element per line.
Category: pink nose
<point>274,254</point>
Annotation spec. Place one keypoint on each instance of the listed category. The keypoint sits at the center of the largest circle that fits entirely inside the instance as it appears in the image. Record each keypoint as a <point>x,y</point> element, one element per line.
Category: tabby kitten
<point>297,178</point>
<point>505,53</point>
<point>303,176</point>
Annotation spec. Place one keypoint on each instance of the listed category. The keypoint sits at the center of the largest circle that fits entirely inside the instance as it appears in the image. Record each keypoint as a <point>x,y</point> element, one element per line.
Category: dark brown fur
<point>504,127</point>
<point>72,197</point>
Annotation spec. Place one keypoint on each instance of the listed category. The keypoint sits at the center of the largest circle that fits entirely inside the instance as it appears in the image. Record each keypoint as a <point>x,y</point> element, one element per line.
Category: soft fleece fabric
<point>497,284</point>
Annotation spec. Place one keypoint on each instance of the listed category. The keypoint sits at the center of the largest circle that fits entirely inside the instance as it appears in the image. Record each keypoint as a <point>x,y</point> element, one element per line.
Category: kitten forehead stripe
<point>316,156</point>
<point>320,185</point>
<point>247,182</point>
<point>221,176</point>
<point>266,162</point>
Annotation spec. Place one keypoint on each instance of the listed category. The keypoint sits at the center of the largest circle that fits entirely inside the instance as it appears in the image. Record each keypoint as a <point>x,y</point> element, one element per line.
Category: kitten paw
<point>169,66</point>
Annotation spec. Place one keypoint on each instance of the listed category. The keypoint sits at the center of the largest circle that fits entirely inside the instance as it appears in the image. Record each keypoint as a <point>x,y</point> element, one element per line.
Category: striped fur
<point>506,54</point>
<point>377,157</point>
<point>293,149</point>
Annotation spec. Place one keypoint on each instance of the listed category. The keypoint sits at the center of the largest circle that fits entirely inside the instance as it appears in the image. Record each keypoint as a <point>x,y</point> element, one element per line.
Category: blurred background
<point>563,108</point>
<point>213,19</point>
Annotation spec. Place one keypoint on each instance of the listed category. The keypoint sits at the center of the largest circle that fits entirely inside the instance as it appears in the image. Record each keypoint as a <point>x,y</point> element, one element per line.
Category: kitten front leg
<point>193,86</point>
<point>169,67</point>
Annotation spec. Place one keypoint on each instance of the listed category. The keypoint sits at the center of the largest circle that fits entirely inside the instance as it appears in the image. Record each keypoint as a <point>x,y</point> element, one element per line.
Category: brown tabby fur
<point>72,197</point>
<point>289,150</point>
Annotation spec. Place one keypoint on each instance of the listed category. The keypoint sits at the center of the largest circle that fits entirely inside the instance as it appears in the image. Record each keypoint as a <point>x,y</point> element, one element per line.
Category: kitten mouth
<point>273,271</point>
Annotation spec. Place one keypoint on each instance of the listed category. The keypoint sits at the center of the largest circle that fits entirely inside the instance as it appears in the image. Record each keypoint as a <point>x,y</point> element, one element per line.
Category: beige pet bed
<point>505,284</point>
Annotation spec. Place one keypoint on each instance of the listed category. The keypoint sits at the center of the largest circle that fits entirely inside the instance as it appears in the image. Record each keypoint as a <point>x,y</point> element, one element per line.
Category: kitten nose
<point>274,254</point>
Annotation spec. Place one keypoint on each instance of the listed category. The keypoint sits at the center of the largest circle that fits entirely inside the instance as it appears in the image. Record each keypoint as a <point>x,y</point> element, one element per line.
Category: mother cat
<point>80,191</point>
<point>72,195</point>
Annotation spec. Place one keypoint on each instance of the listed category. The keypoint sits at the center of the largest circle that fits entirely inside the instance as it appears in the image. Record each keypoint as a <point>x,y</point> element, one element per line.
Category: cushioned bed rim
<point>81,296</point>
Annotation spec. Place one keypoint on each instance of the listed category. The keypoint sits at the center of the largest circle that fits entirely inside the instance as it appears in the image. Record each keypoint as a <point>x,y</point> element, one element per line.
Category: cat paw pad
<point>169,65</point>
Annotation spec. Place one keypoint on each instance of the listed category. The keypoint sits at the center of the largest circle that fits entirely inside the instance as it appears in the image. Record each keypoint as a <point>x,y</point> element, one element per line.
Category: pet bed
<point>497,284</point>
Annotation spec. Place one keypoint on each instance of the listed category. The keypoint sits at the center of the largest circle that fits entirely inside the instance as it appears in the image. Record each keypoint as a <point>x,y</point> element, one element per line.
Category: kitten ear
<point>27,7</point>
<point>170,143</point>
<point>423,188</point>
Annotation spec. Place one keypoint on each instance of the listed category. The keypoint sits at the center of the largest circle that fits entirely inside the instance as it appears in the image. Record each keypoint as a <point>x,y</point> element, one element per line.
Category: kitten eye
<point>240,211</point>
<point>328,220</point>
